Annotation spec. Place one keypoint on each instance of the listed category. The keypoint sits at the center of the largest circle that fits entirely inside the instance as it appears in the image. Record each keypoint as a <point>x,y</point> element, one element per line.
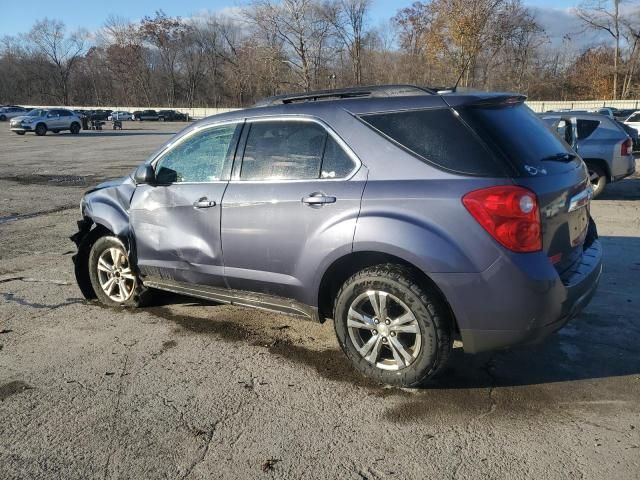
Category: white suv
<point>40,121</point>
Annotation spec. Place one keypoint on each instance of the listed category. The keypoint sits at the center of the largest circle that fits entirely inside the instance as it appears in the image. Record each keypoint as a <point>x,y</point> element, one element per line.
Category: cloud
<point>562,25</point>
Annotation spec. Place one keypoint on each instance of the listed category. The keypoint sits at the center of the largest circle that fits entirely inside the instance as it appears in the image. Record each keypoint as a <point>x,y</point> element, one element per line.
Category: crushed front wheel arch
<point>84,238</point>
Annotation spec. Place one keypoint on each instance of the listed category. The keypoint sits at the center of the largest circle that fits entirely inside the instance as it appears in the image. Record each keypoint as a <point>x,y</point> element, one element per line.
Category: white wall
<point>192,112</point>
<point>197,113</point>
<point>583,104</point>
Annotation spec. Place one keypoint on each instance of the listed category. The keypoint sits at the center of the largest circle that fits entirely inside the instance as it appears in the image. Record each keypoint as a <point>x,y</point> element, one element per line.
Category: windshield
<point>517,134</point>
<point>36,112</point>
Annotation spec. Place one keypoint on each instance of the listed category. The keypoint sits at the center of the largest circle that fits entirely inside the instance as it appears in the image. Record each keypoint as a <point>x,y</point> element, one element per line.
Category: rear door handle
<point>204,203</point>
<point>318,199</point>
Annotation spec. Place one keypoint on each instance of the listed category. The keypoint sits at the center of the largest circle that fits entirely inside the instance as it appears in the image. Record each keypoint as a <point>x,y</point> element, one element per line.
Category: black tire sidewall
<point>41,129</point>
<point>427,360</point>
<point>75,128</point>
<point>97,249</point>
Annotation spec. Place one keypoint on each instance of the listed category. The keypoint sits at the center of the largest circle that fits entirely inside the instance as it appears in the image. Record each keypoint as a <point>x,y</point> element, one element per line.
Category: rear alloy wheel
<point>41,129</point>
<point>75,128</point>
<point>393,327</point>
<point>112,275</point>
<point>598,179</point>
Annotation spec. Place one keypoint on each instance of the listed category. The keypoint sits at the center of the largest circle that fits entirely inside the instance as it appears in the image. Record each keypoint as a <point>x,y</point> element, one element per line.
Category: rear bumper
<point>623,167</point>
<point>519,300</point>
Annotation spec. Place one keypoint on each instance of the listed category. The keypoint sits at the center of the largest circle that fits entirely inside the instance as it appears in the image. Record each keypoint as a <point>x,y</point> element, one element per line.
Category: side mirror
<point>145,174</point>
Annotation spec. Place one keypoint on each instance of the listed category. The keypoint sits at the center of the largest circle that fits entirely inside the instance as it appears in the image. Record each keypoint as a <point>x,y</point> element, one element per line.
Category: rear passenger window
<point>586,128</point>
<point>439,138</point>
<point>335,163</point>
<point>280,150</point>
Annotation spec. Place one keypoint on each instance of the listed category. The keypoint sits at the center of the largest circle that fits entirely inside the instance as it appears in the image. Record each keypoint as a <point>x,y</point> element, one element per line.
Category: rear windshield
<point>438,137</point>
<point>518,135</point>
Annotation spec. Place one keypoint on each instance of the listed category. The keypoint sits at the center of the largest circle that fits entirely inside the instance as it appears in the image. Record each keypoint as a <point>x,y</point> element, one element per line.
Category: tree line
<point>272,47</point>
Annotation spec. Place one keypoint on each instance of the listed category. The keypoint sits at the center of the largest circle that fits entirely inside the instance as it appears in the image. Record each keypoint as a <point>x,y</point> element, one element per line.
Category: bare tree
<point>49,39</point>
<point>348,20</point>
<point>302,28</point>
<point>604,15</point>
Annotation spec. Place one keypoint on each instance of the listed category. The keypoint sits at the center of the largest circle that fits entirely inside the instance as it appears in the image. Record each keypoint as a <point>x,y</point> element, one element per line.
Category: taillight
<point>510,214</point>
<point>626,148</point>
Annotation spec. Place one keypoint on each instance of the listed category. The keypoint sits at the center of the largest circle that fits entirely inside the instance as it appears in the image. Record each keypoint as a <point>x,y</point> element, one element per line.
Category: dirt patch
<point>53,180</point>
<point>13,388</point>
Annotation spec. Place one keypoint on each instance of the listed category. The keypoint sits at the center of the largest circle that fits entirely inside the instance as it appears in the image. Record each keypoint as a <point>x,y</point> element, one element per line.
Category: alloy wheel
<point>116,278</point>
<point>383,330</point>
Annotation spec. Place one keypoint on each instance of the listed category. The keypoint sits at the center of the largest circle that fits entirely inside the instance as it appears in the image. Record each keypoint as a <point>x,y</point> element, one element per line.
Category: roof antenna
<point>455,87</point>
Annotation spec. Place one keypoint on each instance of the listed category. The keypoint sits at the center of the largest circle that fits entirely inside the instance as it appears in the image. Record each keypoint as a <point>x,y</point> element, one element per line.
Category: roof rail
<point>353,92</point>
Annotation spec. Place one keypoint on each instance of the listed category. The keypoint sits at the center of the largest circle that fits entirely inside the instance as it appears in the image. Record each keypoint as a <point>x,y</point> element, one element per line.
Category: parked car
<point>407,217</point>
<point>120,115</point>
<point>136,114</point>
<point>10,111</point>
<point>633,121</point>
<point>147,115</point>
<point>623,114</point>
<point>101,115</point>
<point>632,132</point>
<point>41,121</point>
<point>604,146</point>
<point>172,116</point>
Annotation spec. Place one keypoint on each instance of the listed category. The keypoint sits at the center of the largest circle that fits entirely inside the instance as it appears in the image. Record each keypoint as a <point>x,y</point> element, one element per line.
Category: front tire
<point>75,128</point>
<point>598,179</point>
<point>393,327</point>
<point>20,133</point>
<point>41,129</point>
<point>112,276</point>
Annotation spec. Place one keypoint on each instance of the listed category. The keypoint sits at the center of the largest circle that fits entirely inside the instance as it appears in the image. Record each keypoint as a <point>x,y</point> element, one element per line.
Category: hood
<point>116,182</point>
<point>20,118</point>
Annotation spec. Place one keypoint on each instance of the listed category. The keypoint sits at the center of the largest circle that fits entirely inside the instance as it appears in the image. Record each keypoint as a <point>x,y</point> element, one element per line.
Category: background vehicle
<point>601,142</point>
<point>99,114</point>
<point>460,236</point>
<point>41,121</point>
<point>172,116</point>
<point>147,115</point>
<point>633,121</point>
<point>9,112</point>
<point>120,115</point>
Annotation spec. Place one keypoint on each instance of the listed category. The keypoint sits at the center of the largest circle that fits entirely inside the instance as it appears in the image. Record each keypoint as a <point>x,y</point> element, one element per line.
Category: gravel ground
<point>187,389</point>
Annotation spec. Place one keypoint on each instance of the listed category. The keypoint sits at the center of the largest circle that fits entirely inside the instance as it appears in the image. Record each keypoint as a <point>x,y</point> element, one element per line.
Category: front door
<point>175,222</point>
<point>292,202</point>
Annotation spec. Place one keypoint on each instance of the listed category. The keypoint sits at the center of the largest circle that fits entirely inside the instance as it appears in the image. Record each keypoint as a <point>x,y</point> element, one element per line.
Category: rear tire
<point>598,179</point>
<point>41,129</point>
<point>113,277</point>
<point>405,339</point>
<point>3,118</point>
<point>19,133</point>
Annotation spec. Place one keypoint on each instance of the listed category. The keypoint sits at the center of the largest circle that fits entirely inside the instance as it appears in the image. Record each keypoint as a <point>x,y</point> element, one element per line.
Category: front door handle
<point>204,203</point>
<point>318,199</point>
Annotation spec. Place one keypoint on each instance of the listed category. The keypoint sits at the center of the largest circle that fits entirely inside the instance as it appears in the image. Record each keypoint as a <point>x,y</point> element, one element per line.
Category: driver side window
<point>199,158</point>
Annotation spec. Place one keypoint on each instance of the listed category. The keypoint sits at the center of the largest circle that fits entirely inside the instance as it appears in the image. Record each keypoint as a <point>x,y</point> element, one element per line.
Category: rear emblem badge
<point>534,170</point>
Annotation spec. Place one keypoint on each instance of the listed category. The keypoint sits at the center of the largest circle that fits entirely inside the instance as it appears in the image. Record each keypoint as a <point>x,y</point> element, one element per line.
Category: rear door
<point>175,223</point>
<point>293,200</point>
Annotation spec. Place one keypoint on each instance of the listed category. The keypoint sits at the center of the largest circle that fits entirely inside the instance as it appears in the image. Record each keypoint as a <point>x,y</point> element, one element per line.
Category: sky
<point>18,16</point>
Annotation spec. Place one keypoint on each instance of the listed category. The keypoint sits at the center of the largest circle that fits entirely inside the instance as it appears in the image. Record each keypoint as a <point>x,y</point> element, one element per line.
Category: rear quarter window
<point>586,128</point>
<point>438,137</point>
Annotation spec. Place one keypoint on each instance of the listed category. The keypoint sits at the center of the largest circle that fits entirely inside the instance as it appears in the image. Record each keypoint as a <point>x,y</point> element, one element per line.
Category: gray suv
<point>43,120</point>
<point>407,217</point>
<point>600,140</point>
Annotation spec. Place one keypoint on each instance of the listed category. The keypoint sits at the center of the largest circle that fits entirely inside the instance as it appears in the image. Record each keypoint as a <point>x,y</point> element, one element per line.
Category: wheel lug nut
<point>393,334</point>
<point>376,321</point>
<point>388,322</point>
<point>375,332</point>
<point>384,339</point>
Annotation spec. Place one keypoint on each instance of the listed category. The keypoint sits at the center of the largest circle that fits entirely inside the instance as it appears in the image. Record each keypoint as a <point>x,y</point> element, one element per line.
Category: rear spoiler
<point>498,100</point>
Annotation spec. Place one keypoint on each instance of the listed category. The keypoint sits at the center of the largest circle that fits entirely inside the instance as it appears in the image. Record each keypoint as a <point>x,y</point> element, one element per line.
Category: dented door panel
<point>174,238</point>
